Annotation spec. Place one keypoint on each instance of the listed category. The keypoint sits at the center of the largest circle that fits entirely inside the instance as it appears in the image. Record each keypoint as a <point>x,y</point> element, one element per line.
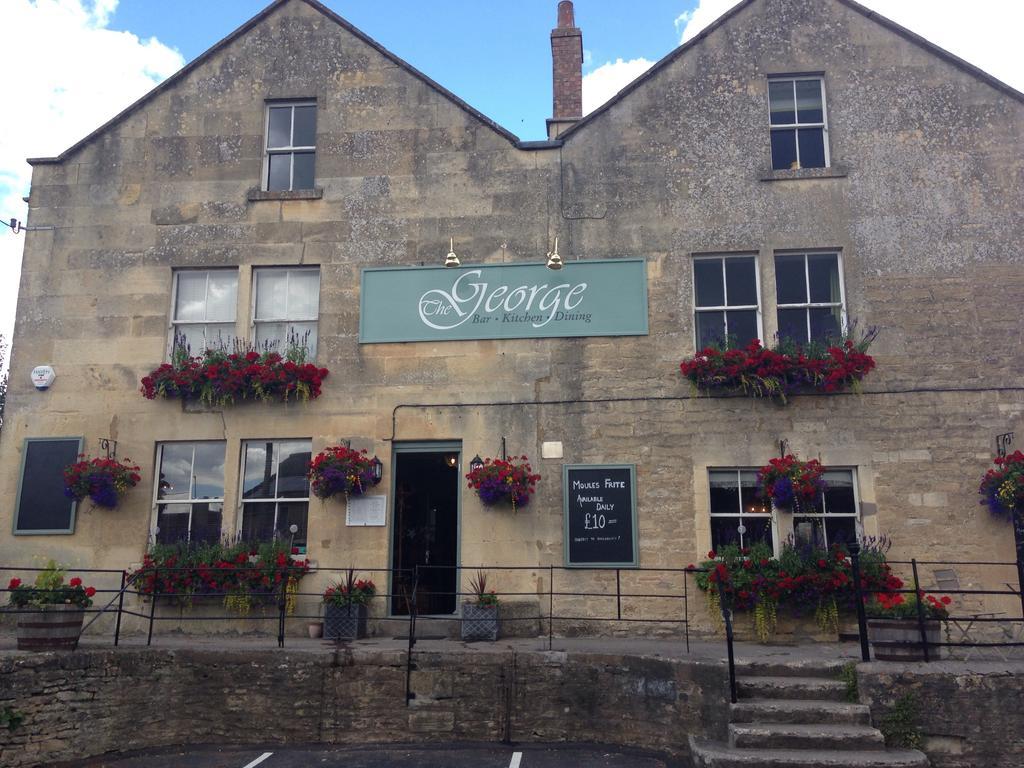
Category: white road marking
<point>517,757</point>
<point>264,756</point>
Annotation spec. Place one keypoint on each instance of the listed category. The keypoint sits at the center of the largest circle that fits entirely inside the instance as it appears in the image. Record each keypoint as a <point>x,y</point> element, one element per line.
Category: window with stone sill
<point>798,122</point>
<point>810,298</point>
<point>286,307</point>
<point>275,490</point>
<point>726,301</point>
<point>739,517</point>
<point>203,308</point>
<point>291,146</point>
<point>189,504</point>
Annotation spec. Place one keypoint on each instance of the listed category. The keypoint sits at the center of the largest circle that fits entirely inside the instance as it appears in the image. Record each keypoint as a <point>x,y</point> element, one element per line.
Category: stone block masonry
<point>94,702</point>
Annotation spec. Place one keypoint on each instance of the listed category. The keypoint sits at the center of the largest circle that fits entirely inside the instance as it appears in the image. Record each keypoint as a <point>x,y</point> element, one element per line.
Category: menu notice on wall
<point>600,515</point>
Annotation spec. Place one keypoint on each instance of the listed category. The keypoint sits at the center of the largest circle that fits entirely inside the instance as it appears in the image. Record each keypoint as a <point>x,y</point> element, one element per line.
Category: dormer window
<point>291,146</point>
<point>799,129</point>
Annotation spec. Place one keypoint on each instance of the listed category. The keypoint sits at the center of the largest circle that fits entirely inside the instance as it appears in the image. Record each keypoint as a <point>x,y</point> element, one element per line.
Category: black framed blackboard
<point>42,505</point>
<point>600,515</point>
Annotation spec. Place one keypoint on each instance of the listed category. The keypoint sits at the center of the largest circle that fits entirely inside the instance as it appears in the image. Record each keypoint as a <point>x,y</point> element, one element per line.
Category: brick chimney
<point>567,71</point>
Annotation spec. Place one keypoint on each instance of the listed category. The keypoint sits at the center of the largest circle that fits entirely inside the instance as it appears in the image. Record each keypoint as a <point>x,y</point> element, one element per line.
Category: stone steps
<point>795,715</point>
<point>711,755</point>
<point>803,688</point>
<point>796,711</point>
<point>804,736</point>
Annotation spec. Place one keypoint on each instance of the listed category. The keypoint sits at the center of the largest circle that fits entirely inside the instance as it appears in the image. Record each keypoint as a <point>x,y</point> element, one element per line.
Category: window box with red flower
<point>508,480</point>
<point>50,612</point>
<point>220,377</point>
<point>104,481</point>
<point>789,368</point>
<point>346,608</point>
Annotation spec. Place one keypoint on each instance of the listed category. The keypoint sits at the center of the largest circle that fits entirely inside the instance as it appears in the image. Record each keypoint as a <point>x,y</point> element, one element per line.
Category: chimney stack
<point>567,71</point>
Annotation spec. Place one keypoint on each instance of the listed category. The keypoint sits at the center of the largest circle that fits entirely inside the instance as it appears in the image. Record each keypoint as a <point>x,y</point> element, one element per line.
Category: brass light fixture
<point>451,260</point>
<point>452,460</point>
<point>554,260</point>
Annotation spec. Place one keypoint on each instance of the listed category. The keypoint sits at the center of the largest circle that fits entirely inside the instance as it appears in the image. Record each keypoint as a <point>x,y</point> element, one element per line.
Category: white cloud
<point>66,74</point>
<point>608,79</point>
<point>983,32</point>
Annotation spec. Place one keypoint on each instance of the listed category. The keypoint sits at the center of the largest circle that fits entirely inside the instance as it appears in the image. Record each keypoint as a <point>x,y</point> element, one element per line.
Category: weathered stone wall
<point>970,715</point>
<point>922,201</point>
<point>91,702</point>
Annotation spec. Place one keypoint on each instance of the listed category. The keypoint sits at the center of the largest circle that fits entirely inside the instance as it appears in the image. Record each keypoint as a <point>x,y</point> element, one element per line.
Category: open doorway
<point>425,530</point>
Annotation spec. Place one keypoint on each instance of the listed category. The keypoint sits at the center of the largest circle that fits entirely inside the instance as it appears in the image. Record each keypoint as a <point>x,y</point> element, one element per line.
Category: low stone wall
<point>96,701</point>
<point>970,715</point>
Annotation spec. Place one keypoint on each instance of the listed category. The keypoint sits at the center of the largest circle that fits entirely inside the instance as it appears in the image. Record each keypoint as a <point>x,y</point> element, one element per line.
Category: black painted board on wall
<point>600,515</point>
<point>42,505</point>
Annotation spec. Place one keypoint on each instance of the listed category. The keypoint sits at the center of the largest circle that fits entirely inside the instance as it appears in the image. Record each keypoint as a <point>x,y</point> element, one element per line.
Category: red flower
<point>822,563</point>
<point>75,582</point>
<point>90,591</point>
<point>712,555</point>
<point>946,600</point>
<point>15,583</point>
<point>295,550</point>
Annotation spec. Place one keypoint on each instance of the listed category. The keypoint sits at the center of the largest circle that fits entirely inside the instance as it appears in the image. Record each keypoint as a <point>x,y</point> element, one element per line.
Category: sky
<point>70,65</point>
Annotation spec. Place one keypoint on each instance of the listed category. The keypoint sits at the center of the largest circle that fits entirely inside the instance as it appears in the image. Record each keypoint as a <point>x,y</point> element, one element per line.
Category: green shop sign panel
<point>504,301</point>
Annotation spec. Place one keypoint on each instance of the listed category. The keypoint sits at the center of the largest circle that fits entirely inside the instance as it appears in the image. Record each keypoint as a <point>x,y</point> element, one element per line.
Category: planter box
<point>344,622</point>
<point>900,639</point>
<point>480,622</point>
<point>50,628</point>
<point>790,630</point>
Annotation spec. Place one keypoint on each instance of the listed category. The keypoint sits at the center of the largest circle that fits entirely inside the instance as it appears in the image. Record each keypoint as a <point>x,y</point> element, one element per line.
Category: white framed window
<point>286,306</point>
<point>726,300</point>
<point>203,306</point>
<point>810,297</point>
<point>798,122</point>
<point>291,146</point>
<point>835,518</point>
<point>189,493</point>
<point>738,516</point>
<point>275,490</point>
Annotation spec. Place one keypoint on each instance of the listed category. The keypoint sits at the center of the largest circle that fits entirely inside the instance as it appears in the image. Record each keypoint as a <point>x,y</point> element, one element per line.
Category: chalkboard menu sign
<point>42,506</point>
<point>600,515</point>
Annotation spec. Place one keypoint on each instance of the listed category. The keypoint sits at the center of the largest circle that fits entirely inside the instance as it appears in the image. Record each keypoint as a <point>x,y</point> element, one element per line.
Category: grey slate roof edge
<point>902,31</point>
<point>218,46</point>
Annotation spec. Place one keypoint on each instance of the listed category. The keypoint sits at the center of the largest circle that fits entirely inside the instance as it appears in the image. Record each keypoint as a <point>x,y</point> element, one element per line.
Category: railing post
<point>1018,537</point>
<point>686,608</point>
<point>727,618</point>
<point>858,596</point>
<point>282,604</point>
<point>152,603</point>
<point>920,610</point>
<point>409,695</point>
<point>120,607</point>
<point>551,605</point>
<point>618,593</point>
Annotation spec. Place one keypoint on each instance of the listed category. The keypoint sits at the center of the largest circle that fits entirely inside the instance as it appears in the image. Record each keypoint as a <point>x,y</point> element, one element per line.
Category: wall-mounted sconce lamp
<point>476,463</point>
<point>554,260</point>
<point>451,260</point>
<point>378,469</point>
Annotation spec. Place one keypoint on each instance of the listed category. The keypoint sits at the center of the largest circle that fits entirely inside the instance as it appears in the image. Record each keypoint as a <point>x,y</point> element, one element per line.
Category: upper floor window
<point>189,491</point>
<point>291,146</point>
<point>798,123</point>
<point>726,309</point>
<point>204,307</point>
<point>286,307</point>
<point>809,292</point>
<point>275,490</point>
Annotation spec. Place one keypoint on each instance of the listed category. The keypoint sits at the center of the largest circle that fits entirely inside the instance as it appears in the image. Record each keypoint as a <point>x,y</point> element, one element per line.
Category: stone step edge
<point>703,750</point>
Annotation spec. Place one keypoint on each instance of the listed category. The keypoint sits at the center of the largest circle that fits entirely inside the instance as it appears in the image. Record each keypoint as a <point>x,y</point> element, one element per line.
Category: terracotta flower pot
<point>316,629</point>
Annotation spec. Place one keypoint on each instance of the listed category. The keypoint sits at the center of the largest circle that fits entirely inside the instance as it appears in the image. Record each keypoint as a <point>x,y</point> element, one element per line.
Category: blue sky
<point>71,65</point>
<point>498,61</point>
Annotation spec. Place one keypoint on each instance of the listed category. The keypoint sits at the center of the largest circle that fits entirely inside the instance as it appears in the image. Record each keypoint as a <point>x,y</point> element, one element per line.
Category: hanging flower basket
<point>104,481</point>
<point>504,480</point>
<point>1002,488</point>
<point>341,471</point>
<point>791,483</point>
<point>755,371</point>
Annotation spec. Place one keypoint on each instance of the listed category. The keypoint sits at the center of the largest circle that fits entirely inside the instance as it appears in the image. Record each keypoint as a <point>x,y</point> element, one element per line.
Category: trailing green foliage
<point>848,675</point>
<point>899,725</point>
<point>10,718</point>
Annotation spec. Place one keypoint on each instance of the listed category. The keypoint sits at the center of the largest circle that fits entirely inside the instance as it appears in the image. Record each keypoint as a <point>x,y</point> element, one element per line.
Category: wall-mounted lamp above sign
<point>42,377</point>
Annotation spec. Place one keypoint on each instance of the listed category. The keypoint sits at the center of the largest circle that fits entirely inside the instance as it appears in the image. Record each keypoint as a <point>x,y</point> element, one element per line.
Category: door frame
<point>423,446</point>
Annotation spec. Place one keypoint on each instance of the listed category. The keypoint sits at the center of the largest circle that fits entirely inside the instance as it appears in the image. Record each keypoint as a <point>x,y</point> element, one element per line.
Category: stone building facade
<point>914,220</point>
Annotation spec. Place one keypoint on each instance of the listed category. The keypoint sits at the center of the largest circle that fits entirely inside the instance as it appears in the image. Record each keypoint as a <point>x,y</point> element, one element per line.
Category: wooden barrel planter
<point>50,628</point>
<point>900,639</point>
